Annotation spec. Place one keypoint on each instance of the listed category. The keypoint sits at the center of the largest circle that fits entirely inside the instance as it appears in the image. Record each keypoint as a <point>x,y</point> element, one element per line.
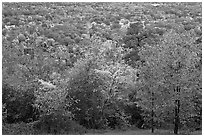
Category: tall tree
<point>171,73</point>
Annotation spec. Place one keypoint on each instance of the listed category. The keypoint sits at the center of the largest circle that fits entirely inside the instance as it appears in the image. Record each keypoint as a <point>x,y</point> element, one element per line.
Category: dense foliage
<point>72,67</point>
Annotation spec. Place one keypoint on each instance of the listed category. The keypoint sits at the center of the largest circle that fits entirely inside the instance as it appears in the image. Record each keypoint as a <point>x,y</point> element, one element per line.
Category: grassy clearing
<point>26,129</point>
<point>142,132</point>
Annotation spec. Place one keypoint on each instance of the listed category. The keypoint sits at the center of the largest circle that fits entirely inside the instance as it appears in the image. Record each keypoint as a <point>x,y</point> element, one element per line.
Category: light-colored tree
<point>170,77</point>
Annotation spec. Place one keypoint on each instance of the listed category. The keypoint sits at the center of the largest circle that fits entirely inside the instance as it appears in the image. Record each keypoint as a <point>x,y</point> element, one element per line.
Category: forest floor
<point>25,129</point>
<point>142,132</point>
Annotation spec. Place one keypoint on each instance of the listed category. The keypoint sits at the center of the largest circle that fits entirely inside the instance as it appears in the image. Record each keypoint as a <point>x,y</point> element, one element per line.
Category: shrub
<point>135,114</point>
<point>17,129</point>
<point>118,121</point>
<point>18,105</point>
<point>56,123</point>
<point>115,115</point>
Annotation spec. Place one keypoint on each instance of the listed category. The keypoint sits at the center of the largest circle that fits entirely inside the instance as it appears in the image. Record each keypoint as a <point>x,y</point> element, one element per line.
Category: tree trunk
<point>177,107</point>
<point>152,114</point>
<point>176,118</point>
<point>152,121</point>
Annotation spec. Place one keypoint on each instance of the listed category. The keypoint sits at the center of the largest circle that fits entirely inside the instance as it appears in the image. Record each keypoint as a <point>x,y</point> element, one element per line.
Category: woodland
<point>101,68</point>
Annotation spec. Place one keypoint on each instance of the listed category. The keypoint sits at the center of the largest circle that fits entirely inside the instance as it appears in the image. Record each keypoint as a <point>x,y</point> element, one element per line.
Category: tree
<point>84,97</point>
<point>169,76</point>
<point>120,82</point>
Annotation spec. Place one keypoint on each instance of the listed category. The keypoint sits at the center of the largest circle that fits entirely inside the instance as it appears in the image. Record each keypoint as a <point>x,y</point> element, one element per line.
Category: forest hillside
<point>101,68</point>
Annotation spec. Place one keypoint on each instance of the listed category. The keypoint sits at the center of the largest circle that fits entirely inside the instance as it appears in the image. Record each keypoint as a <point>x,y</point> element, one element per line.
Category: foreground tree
<point>171,78</point>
